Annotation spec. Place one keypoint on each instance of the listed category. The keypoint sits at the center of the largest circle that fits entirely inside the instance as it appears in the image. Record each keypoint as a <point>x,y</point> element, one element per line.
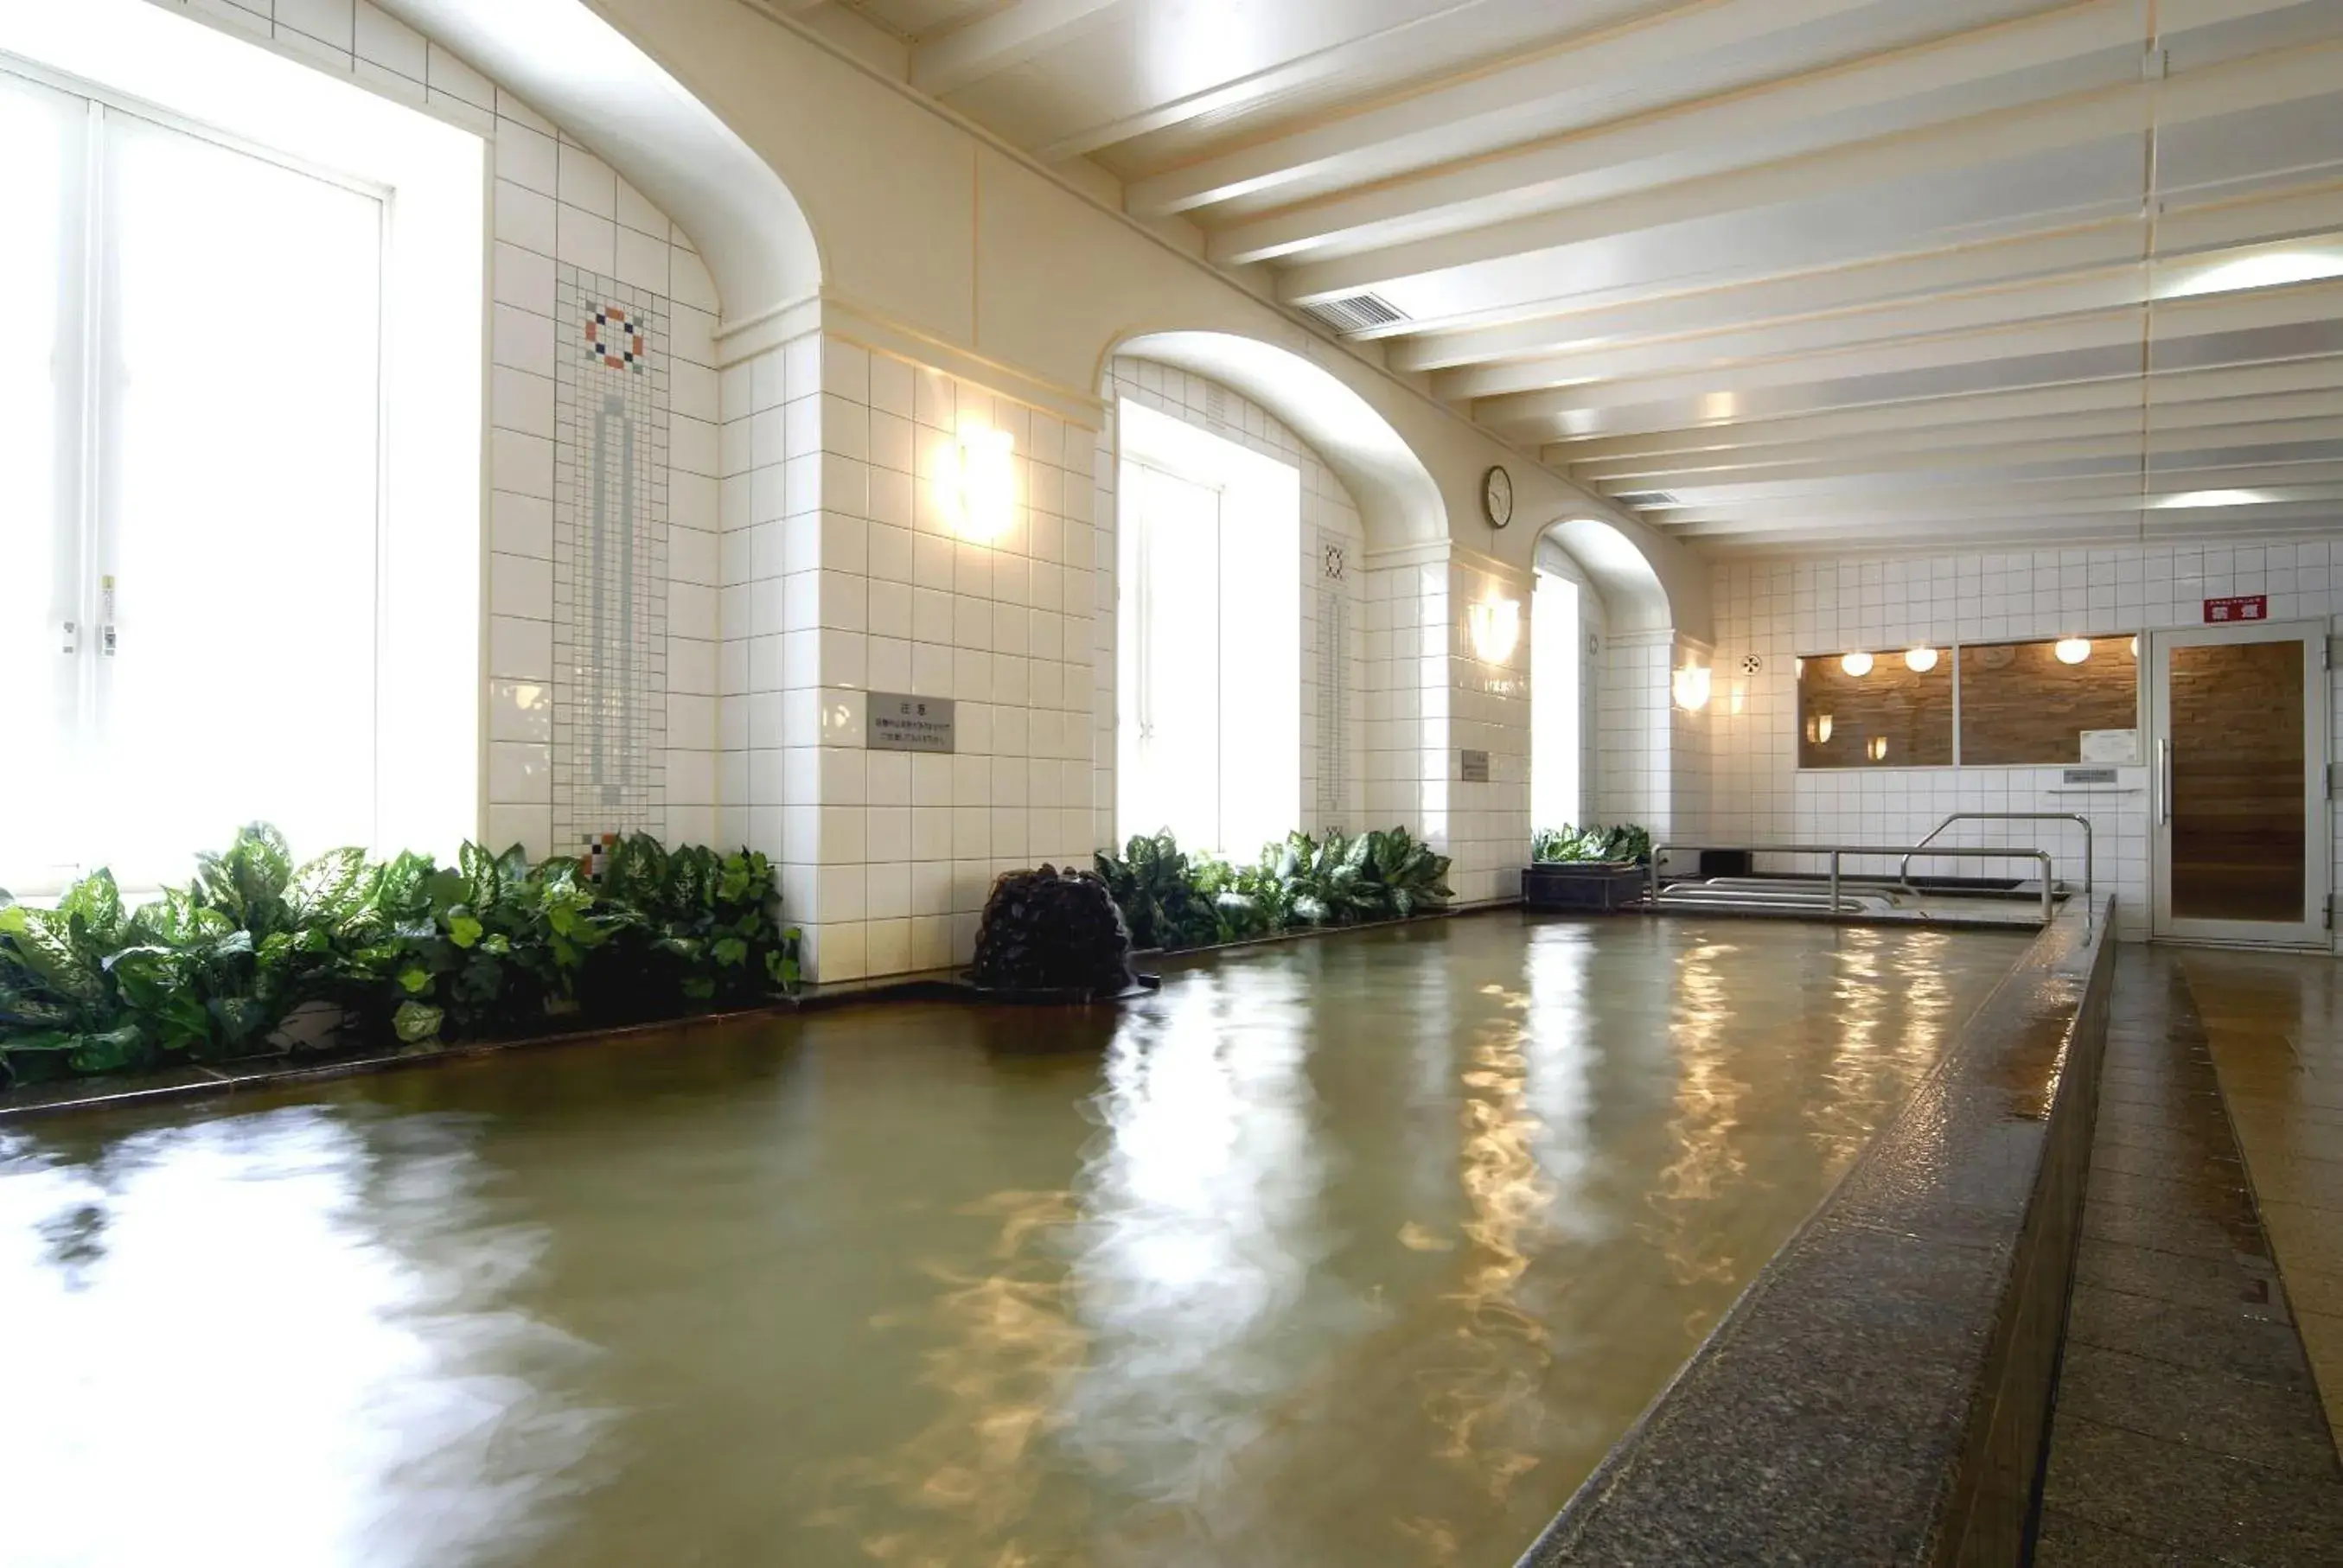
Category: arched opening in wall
<point>1329,723</point>
<point>1208,739</point>
<point>1600,726</point>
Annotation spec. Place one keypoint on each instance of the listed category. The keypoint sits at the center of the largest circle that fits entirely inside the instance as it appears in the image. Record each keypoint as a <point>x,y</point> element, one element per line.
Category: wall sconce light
<point>1819,731</point>
<point>1690,687</point>
<point>1920,660</point>
<point>1496,628</point>
<point>1876,747</point>
<point>2071,649</point>
<point>983,483</point>
<point>1857,665</point>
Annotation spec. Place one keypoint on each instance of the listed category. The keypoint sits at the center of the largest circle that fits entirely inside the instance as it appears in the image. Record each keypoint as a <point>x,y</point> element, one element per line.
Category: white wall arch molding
<point>1634,596</point>
<point>1399,501</point>
<point>562,56</point>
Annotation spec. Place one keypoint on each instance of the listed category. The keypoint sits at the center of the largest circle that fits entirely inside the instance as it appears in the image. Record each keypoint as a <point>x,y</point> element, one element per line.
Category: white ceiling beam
<point>2183,236</point>
<point>2169,321</point>
<point>2169,395</point>
<point>1951,506</point>
<point>1522,97</point>
<point>2114,516</point>
<point>1705,136</point>
<point>2260,81</point>
<point>995,41</point>
<point>2087,294</point>
<point>1784,298</point>
<point>1992,486</point>
<point>1856,460</point>
<point>1332,63</point>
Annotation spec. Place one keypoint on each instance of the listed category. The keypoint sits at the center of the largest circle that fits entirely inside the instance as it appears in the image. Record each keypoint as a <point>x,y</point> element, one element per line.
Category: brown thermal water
<point>1351,1252</point>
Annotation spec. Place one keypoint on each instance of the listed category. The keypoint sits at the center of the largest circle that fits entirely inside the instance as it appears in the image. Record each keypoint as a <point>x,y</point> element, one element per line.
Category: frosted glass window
<point>1174,773</point>
<point>1555,742</point>
<point>39,559</point>
<point>202,463</point>
<point>1208,739</point>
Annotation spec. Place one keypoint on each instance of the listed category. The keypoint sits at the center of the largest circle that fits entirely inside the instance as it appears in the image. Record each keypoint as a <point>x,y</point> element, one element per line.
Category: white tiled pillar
<point>1635,744</point>
<point>846,571</point>
<point>1488,823</point>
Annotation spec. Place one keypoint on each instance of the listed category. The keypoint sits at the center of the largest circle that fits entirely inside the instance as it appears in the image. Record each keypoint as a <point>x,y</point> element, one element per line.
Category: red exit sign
<point>2253,607</point>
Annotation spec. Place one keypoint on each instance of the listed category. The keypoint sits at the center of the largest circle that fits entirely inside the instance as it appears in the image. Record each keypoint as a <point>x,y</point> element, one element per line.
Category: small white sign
<point>2110,745</point>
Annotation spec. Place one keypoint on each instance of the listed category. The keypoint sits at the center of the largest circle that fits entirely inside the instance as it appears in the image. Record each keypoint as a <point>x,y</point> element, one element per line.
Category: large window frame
<point>427,693</point>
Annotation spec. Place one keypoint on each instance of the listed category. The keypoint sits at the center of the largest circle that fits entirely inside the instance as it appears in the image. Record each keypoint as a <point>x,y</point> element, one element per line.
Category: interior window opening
<point>1209,737</point>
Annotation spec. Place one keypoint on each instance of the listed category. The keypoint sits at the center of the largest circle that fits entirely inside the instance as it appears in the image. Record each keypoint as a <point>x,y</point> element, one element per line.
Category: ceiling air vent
<point>1354,312</point>
<point>1647,497</point>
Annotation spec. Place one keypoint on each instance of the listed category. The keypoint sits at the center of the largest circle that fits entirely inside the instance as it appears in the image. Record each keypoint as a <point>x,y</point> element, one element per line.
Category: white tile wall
<point>1635,751</point>
<point>551,200</point>
<point>1489,710</point>
<point>1407,658</point>
<point>1775,612</point>
<point>844,571</point>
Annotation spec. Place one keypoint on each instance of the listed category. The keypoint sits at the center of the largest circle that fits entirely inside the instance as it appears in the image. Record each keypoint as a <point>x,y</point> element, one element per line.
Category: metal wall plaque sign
<point>1476,767</point>
<point>2090,776</point>
<point>898,722</point>
<point>2248,607</point>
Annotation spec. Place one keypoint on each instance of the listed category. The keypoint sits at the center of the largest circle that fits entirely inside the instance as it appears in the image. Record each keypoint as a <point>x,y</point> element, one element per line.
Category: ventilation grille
<point>1647,497</point>
<point>1354,312</point>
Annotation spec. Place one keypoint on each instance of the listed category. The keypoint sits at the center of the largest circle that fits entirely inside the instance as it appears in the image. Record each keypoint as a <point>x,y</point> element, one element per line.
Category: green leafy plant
<point>1154,885</point>
<point>1623,844</point>
<point>1172,901</point>
<point>405,950</point>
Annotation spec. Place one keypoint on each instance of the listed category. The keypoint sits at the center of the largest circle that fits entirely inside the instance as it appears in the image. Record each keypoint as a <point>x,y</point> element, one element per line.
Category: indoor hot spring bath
<point>1355,1250</point>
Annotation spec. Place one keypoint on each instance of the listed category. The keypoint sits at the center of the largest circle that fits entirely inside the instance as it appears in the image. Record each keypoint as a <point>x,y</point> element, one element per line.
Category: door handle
<point>2164,782</point>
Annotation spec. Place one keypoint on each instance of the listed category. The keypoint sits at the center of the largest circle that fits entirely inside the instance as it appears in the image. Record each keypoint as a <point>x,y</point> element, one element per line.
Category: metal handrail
<point>1838,852</point>
<point>1903,870</point>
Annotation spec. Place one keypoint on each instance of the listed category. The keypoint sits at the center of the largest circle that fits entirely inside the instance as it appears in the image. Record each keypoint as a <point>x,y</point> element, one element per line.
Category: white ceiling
<point>1780,274</point>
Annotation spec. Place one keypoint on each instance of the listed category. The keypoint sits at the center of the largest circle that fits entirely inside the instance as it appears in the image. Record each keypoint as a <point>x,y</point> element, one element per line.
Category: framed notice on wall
<point>2110,745</point>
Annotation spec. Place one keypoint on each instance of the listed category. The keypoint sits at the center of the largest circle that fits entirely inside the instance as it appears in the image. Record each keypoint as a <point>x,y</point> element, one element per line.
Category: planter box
<point>1595,887</point>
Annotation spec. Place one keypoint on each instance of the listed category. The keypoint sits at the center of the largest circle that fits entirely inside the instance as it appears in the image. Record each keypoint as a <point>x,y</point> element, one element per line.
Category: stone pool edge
<point>1881,1390</point>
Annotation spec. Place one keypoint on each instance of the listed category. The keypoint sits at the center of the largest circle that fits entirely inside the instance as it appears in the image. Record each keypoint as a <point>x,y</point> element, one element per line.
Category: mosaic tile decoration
<point>1333,702</point>
<point>609,559</point>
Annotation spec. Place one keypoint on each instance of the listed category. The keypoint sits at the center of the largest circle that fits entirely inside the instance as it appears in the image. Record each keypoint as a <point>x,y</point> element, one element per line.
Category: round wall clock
<point>1497,496</point>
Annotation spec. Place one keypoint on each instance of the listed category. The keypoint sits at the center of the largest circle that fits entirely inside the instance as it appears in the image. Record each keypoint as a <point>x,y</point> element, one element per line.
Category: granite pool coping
<point>1881,1391</point>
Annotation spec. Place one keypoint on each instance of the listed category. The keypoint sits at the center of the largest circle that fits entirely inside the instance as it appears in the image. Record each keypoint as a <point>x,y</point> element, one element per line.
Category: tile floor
<point>2188,1428</point>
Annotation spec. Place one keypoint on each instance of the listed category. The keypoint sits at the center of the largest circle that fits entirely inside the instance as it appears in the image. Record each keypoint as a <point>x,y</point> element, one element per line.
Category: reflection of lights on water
<point>270,1292</point>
